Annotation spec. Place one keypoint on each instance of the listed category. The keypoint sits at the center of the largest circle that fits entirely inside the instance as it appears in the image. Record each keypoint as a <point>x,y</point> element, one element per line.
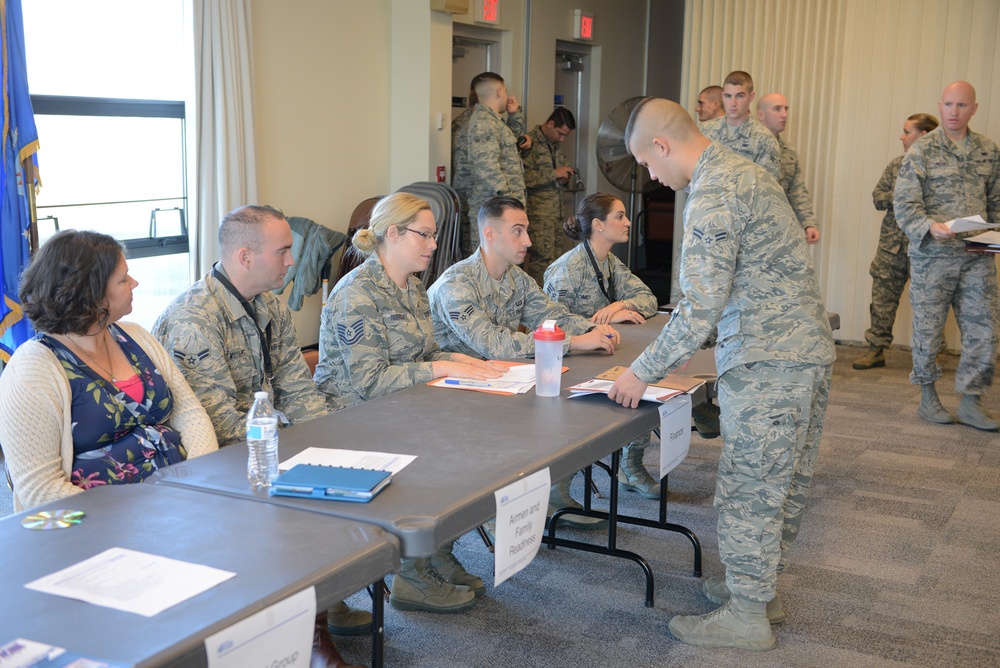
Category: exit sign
<point>583,25</point>
<point>487,11</point>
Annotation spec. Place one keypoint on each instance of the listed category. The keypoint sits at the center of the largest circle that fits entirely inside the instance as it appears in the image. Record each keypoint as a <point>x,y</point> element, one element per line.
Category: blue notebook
<point>330,482</point>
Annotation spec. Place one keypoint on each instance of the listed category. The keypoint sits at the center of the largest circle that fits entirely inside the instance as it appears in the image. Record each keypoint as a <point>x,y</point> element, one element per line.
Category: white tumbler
<point>549,341</point>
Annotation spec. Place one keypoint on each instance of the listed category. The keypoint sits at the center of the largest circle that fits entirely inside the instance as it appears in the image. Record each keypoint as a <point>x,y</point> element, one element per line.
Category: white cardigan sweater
<point>36,430</point>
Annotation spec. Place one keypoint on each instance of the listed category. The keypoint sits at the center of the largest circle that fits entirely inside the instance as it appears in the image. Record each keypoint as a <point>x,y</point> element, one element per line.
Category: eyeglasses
<point>426,236</point>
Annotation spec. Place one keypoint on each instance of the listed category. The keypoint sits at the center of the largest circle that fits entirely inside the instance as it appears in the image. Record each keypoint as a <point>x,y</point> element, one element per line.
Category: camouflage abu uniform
<point>485,163</point>
<point>478,316</point>
<point>515,121</point>
<point>891,267</point>
<point>544,205</point>
<point>751,140</point>
<point>938,181</point>
<point>746,270</point>
<point>790,178</point>
<point>375,338</point>
<point>571,280</point>
<point>216,345</point>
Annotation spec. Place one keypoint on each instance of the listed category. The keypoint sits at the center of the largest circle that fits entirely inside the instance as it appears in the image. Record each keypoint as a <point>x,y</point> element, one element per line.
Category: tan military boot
<point>418,586</point>
<point>633,476</point>
<point>452,570</point>
<point>706,419</point>
<point>970,412</point>
<point>871,359</point>
<point>559,498</point>
<point>346,620</point>
<point>930,406</point>
<point>717,592</point>
<point>740,623</point>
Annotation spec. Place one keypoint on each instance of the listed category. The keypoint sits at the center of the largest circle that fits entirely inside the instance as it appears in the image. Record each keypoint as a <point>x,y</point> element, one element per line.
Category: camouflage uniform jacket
<point>476,315</point>
<point>751,140</point>
<point>515,121</point>
<point>571,280</point>
<point>939,181</point>
<point>890,238</point>
<point>216,345</point>
<point>375,338</point>
<point>746,269</point>
<point>540,167</point>
<point>790,178</point>
<point>486,161</point>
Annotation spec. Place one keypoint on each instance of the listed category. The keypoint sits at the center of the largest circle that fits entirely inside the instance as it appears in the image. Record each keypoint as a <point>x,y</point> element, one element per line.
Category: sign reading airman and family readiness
<point>521,510</point>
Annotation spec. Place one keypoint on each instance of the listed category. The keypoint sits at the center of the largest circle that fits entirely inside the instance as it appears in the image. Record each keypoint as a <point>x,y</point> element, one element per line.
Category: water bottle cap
<point>549,332</point>
<point>261,395</point>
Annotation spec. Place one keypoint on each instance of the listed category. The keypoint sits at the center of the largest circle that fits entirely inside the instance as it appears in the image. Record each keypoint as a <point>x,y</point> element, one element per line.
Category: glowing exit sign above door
<point>487,11</point>
<point>583,25</point>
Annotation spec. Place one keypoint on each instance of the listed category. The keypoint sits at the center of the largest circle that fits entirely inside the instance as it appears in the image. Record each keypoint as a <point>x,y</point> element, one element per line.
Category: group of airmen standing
<point>749,288</point>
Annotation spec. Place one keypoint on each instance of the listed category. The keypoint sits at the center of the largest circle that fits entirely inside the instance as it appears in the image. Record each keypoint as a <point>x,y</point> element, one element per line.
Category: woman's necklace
<point>93,360</point>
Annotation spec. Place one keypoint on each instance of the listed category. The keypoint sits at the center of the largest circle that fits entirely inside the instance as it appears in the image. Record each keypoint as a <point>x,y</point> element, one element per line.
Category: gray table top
<point>274,551</point>
<point>468,444</point>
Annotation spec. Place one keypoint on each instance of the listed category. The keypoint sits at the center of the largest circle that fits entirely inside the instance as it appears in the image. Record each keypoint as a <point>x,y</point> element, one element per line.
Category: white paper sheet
<point>280,635</point>
<point>521,510</point>
<point>969,224</point>
<point>349,459</point>
<point>991,237</point>
<point>675,432</point>
<point>136,582</point>
<point>519,379</point>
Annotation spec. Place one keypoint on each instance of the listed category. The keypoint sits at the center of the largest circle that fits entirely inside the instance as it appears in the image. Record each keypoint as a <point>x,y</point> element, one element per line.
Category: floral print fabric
<point>117,440</point>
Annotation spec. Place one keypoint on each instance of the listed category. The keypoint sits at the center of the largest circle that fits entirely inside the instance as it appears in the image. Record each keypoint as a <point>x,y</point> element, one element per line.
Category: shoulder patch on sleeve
<point>463,315</point>
<point>190,360</point>
<point>556,294</point>
<point>351,334</point>
<point>709,239</point>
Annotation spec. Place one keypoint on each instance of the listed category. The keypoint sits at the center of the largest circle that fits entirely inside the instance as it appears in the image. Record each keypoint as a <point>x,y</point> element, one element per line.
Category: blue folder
<point>330,482</point>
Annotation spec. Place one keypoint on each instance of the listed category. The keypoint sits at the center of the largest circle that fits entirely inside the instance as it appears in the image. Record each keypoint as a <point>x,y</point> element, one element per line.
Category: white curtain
<point>226,160</point>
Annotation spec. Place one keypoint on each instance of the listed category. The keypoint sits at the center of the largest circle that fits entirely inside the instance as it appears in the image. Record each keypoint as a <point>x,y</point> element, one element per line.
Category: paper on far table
<point>991,237</point>
<point>349,459</point>
<point>136,582</point>
<point>518,379</point>
<point>969,224</point>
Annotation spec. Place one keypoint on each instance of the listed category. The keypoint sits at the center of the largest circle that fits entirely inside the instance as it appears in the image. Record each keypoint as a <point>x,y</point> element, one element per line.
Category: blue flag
<point>20,143</point>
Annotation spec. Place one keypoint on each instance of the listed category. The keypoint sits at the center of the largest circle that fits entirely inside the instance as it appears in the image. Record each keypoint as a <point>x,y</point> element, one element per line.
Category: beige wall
<point>853,70</point>
<point>347,94</point>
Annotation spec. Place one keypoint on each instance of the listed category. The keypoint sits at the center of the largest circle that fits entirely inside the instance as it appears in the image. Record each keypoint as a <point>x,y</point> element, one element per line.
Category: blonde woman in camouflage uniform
<point>377,337</point>
<point>890,270</point>
<point>592,282</point>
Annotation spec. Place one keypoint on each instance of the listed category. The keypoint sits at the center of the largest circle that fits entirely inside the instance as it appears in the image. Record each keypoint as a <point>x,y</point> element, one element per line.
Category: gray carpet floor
<point>897,563</point>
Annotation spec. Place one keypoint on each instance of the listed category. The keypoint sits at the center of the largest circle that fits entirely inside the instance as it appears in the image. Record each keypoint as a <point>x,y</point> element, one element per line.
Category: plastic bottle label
<point>262,432</point>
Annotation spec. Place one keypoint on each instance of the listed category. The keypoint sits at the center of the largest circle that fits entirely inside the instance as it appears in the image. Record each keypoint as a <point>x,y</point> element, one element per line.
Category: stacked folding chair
<point>444,204</point>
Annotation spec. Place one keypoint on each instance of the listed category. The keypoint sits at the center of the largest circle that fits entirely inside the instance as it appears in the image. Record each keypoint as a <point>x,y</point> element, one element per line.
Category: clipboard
<point>333,483</point>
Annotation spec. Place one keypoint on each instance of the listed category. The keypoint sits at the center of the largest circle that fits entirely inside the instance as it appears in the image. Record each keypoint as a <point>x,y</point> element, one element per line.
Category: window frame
<point>151,245</point>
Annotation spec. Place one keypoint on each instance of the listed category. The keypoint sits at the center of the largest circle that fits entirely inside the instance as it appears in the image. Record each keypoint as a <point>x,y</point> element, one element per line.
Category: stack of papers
<point>660,391</point>
<point>518,380</point>
<point>987,242</point>
<point>349,459</point>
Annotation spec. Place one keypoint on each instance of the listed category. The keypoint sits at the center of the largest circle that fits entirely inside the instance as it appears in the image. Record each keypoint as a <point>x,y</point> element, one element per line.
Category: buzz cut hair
<point>243,227</point>
<point>493,209</point>
<point>480,81</point>
<point>739,78</point>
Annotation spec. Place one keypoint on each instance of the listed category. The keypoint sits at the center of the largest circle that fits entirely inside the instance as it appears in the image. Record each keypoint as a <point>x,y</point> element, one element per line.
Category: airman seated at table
<point>90,400</point>
<point>479,304</point>
<point>377,337</point>
<point>231,336</point>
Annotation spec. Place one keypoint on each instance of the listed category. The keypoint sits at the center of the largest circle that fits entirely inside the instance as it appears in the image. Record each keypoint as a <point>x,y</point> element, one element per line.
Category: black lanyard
<point>265,336</point>
<point>609,292</point>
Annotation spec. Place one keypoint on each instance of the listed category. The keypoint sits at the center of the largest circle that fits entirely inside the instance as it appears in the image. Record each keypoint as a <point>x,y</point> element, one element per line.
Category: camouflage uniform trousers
<point>772,421</point>
<point>889,272</point>
<point>967,283</point>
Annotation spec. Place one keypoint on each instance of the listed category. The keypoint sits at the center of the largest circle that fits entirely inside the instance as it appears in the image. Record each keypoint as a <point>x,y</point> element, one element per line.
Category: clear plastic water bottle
<point>262,442</point>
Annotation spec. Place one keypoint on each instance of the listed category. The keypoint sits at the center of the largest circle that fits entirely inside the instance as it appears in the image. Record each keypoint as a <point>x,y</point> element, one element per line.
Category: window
<point>109,82</point>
